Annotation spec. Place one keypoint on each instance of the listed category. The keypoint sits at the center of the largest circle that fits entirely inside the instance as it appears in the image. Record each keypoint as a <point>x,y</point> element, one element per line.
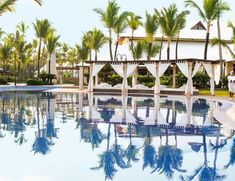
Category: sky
<point>73,17</point>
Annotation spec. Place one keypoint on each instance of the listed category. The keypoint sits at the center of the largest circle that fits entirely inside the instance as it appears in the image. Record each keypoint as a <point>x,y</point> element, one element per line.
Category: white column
<point>125,84</point>
<point>157,81</point>
<point>190,81</point>
<point>81,77</point>
<point>134,77</point>
<point>212,81</point>
<point>96,80</point>
<point>91,83</point>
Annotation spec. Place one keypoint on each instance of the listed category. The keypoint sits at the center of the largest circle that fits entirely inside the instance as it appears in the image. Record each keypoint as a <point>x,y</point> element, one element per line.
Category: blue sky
<point>73,17</point>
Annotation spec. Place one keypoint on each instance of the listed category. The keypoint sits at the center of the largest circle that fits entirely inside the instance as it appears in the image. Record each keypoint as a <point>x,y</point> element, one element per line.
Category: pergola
<point>189,67</point>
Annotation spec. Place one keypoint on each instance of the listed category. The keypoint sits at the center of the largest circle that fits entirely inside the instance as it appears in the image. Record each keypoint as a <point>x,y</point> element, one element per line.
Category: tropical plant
<point>134,22</point>
<point>52,43</point>
<point>150,26</point>
<point>151,49</point>
<point>109,18</point>
<point>137,50</point>
<point>8,5</point>
<point>218,41</point>
<point>42,29</point>
<point>5,54</point>
<point>209,12</point>
<point>94,40</point>
<point>120,26</point>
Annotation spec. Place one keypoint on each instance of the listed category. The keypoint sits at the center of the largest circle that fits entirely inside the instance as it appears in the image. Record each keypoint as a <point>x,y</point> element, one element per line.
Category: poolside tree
<point>150,26</point>
<point>52,43</point>
<point>134,22</point>
<point>42,29</point>
<point>209,12</point>
<point>109,17</point>
<point>5,54</point>
<point>170,21</point>
<point>137,50</point>
<point>221,11</point>
<point>95,39</point>
<point>216,41</point>
<point>120,27</point>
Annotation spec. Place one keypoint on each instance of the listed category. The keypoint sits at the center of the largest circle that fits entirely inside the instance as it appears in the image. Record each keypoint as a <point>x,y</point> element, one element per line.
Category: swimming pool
<point>63,136</point>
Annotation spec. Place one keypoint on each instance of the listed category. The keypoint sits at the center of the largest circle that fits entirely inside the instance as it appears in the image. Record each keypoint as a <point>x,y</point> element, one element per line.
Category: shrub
<point>114,79</point>
<point>201,80</point>
<point>34,82</point>
<point>180,79</point>
<point>145,79</point>
<point>166,80</point>
<point>3,81</point>
<point>149,84</point>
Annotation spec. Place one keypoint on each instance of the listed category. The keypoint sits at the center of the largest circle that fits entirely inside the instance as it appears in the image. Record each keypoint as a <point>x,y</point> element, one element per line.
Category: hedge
<point>34,82</point>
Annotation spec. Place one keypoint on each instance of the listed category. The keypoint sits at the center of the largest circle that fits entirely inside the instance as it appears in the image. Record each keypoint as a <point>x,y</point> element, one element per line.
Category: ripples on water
<point>53,137</point>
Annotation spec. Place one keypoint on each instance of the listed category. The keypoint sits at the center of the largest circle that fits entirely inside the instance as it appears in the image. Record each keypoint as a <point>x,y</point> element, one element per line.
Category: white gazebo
<point>189,67</point>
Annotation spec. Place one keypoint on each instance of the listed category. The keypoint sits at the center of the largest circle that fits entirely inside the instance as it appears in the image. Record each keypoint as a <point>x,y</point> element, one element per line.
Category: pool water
<point>47,136</point>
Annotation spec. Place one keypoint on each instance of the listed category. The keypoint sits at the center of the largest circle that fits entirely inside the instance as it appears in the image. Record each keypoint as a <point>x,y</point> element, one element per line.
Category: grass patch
<point>218,92</point>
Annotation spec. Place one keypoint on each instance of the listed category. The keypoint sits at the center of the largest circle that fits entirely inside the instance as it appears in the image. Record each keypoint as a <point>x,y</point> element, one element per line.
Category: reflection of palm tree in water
<point>150,155</point>
<point>170,158</point>
<point>110,157</point>
<point>41,144</point>
<point>206,173</point>
<point>232,156</point>
<point>131,151</point>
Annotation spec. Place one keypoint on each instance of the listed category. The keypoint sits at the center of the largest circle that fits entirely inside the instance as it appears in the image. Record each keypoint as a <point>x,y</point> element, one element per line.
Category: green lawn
<point>218,92</point>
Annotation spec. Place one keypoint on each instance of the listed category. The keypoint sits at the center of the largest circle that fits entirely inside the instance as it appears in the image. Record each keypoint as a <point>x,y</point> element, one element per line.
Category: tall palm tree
<point>226,8</point>
<point>150,48</point>
<point>120,26</point>
<point>42,29</point>
<point>52,43</point>
<point>109,18</point>
<point>96,39</point>
<point>150,26</point>
<point>217,41</point>
<point>169,19</point>
<point>209,12</point>
<point>5,54</point>
<point>134,22</point>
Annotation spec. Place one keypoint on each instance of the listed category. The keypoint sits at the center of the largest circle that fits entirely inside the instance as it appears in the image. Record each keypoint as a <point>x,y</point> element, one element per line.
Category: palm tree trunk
<point>96,55</point>
<point>116,48</point>
<point>160,53</point>
<point>207,41</point>
<point>220,48</point>
<point>39,52</point>
<point>110,45</point>
<point>205,149</point>
<point>176,46</point>
<point>168,48</point>
<point>132,44</point>
<point>3,68</point>
<point>149,51</point>
<point>49,66</point>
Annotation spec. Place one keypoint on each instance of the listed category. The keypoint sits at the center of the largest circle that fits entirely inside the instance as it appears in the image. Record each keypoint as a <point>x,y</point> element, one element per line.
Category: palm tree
<point>7,5</point>
<point>52,43</point>
<point>96,40</point>
<point>169,20</point>
<point>42,29</point>
<point>226,8</point>
<point>209,12</point>
<point>137,50</point>
<point>151,49</point>
<point>5,54</point>
<point>109,18</point>
<point>151,26</point>
<point>218,41</point>
<point>134,23</point>
<point>120,26</point>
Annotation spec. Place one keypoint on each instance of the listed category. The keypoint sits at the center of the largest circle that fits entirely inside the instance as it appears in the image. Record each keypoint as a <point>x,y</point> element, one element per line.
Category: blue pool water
<point>70,137</point>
